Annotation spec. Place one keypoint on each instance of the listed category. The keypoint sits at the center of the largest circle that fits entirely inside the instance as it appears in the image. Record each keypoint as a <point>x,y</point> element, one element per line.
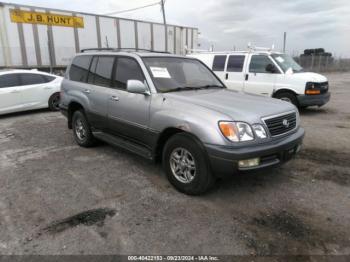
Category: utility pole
<point>284,41</point>
<point>165,26</point>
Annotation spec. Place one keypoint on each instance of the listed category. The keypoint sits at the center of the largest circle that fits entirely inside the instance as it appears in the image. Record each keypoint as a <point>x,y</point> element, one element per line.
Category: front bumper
<point>224,160</point>
<point>314,100</point>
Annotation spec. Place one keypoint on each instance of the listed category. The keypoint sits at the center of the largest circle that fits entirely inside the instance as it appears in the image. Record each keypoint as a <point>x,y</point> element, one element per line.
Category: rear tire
<point>288,97</point>
<point>81,130</point>
<point>54,102</point>
<point>186,166</point>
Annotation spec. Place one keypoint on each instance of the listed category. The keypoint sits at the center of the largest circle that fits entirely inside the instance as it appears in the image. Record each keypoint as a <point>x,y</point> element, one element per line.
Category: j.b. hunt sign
<point>20,16</point>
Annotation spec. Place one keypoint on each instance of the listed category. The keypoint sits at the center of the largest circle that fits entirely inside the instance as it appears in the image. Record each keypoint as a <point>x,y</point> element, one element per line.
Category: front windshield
<point>179,74</point>
<point>286,62</point>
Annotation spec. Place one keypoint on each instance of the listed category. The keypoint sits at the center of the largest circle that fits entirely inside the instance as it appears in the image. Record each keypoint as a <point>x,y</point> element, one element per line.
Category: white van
<point>267,73</point>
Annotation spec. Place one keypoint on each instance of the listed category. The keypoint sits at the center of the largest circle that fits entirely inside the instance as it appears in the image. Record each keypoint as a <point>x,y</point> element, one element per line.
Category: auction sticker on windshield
<point>160,72</point>
<point>279,59</point>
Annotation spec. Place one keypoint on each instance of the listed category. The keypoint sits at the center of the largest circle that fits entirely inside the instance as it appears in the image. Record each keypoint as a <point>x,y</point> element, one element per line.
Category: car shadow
<point>248,182</point>
<point>315,111</point>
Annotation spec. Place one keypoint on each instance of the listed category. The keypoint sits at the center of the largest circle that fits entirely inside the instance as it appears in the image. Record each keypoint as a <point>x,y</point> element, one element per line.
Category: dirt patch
<point>284,232</point>
<point>335,165</point>
<point>340,177</point>
<point>87,218</point>
<point>285,223</point>
<point>336,174</point>
<point>325,157</point>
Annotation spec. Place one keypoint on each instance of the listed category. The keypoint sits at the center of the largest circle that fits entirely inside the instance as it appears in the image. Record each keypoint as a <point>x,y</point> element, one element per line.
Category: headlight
<point>312,88</point>
<point>236,131</point>
<point>259,131</point>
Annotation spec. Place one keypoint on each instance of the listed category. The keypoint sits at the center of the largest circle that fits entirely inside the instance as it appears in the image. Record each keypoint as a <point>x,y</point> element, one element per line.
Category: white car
<point>267,73</point>
<point>22,90</point>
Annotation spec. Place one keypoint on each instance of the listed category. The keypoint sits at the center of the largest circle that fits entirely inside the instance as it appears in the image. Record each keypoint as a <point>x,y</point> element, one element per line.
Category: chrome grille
<point>278,125</point>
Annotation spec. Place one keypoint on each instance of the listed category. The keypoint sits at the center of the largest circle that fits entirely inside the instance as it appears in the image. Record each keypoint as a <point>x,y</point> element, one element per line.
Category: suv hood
<point>237,106</point>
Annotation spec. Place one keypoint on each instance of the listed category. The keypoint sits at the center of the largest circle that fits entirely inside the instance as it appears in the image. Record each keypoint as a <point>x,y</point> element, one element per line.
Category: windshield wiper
<point>182,88</point>
<point>209,86</point>
<point>186,88</point>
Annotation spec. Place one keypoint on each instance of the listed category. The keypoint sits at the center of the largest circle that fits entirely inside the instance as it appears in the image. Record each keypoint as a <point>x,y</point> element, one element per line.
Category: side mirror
<point>271,68</point>
<point>137,87</point>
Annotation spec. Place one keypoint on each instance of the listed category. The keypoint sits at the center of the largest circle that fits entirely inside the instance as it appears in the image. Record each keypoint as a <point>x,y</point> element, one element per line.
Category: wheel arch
<point>165,135</point>
<point>284,90</point>
<point>72,107</point>
<point>51,96</point>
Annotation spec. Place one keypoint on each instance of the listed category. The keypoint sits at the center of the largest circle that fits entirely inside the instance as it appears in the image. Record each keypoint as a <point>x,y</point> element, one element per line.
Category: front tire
<point>54,102</point>
<point>81,130</point>
<point>186,166</point>
<point>288,97</point>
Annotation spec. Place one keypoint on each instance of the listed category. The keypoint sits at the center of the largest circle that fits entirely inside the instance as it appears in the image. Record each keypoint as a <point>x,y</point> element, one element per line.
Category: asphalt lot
<point>58,198</point>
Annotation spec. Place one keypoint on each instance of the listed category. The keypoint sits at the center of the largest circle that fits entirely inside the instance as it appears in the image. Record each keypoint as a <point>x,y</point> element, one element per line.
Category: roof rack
<point>129,49</point>
<point>258,48</point>
<point>250,48</point>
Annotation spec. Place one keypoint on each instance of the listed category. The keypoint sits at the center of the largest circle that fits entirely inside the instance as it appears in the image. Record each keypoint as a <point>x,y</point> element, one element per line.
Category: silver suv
<point>174,109</point>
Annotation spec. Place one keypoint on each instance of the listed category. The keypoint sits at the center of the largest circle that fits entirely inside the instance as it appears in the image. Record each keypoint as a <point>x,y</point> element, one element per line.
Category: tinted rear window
<point>91,77</point>
<point>103,72</point>
<point>32,79</point>
<point>219,63</point>
<point>235,63</point>
<point>80,68</point>
<point>48,78</point>
<point>9,80</point>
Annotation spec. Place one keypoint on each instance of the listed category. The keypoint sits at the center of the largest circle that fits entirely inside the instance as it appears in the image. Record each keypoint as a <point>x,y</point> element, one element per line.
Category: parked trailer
<point>36,37</point>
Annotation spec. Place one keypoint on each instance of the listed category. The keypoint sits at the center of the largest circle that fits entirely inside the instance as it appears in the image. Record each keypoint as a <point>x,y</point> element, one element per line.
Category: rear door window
<point>9,80</point>
<point>32,79</point>
<point>80,68</point>
<point>103,72</point>
<point>92,72</point>
<point>48,78</point>
<point>235,63</point>
<point>219,63</point>
<point>127,69</point>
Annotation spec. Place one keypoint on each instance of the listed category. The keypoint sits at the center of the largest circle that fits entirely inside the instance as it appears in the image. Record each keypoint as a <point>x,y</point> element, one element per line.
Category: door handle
<point>47,87</point>
<point>226,76</point>
<point>14,91</point>
<point>115,98</point>
<point>246,77</point>
<point>87,91</point>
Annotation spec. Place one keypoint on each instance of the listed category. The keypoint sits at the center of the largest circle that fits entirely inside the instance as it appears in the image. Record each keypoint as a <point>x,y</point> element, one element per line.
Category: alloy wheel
<point>80,129</point>
<point>182,165</point>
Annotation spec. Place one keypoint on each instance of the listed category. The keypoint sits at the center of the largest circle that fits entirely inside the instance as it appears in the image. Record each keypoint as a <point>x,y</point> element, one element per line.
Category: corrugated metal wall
<point>27,45</point>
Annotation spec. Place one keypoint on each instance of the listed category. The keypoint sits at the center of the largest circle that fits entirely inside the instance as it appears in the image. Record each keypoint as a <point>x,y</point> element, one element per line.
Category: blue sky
<point>233,23</point>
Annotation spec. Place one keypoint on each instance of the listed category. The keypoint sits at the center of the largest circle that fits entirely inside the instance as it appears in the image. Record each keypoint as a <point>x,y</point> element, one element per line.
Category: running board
<point>125,144</point>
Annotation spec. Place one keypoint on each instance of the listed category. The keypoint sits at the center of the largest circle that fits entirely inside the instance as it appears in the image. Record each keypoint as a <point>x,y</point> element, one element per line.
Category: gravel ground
<point>58,198</point>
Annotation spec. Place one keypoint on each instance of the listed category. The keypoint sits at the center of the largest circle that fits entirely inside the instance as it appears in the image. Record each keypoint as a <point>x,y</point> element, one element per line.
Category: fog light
<point>249,162</point>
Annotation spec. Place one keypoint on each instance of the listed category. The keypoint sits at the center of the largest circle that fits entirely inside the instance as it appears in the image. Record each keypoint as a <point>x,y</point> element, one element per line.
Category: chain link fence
<point>317,60</point>
<point>324,63</point>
